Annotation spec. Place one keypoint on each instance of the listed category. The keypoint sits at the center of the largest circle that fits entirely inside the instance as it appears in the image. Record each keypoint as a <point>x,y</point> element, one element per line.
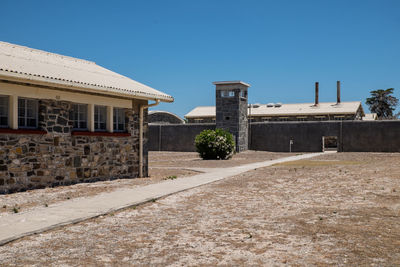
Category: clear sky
<point>280,47</point>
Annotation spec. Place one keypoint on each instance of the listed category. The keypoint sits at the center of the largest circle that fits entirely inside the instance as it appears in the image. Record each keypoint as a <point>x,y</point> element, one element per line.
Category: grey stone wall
<point>231,113</point>
<point>353,136</point>
<point>57,157</point>
<point>178,137</point>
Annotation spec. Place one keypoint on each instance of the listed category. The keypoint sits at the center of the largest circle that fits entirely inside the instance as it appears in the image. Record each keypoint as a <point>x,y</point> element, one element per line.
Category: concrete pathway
<point>67,212</point>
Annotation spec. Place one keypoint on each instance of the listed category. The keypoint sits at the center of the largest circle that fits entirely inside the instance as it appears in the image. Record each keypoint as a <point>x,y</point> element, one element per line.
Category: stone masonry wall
<point>30,161</point>
<point>231,114</point>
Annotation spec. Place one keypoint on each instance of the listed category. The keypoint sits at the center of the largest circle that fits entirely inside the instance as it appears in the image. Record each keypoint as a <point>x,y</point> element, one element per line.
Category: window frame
<point>25,117</point>
<point>227,93</point>
<point>116,119</point>
<point>7,109</point>
<point>84,111</point>
<point>98,109</point>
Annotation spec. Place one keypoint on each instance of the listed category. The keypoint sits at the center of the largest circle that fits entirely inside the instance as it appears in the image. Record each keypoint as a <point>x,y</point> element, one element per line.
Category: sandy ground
<point>192,160</point>
<point>163,165</point>
<point>339,209</point>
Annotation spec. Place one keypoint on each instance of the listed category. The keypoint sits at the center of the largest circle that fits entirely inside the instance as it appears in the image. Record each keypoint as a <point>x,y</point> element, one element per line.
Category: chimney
<point>338,92</point>
<point>316,93</point>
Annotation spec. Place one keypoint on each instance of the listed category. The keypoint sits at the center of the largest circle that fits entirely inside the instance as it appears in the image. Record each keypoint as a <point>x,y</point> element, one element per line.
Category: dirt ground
<point>192,160</point>
<point>338,209</point>
<point>162,165</point>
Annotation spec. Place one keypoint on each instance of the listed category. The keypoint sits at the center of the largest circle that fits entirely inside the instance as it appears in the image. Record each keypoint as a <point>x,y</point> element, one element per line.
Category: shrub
<point>216,144</point>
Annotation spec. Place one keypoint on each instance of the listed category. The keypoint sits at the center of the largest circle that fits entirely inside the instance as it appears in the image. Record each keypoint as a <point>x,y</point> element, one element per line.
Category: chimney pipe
<point>316,93</point>
<point>338,92</point>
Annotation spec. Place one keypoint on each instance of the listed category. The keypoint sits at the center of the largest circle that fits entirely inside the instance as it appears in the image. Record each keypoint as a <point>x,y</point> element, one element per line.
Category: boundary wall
<point>352,136</point>
<point>175,137</point>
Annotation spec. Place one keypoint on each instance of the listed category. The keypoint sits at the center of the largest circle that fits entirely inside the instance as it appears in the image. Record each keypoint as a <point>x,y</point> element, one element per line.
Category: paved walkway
<point>67,212</point>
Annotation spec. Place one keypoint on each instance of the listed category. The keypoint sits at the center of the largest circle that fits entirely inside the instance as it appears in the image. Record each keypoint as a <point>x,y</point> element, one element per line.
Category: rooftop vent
<point>270,105</point>
<point>257,105</point>
<point>278,105</point>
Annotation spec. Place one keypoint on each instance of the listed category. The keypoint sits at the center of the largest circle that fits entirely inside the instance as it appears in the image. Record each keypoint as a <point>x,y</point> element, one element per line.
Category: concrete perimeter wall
<point>175,137</point>
<point>353,136</point>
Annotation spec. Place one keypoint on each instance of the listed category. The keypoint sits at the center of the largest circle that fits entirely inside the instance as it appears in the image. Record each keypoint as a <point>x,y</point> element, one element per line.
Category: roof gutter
<point>141,111</point>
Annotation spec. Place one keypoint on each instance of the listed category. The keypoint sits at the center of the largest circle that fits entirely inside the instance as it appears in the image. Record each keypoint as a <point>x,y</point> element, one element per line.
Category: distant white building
<point>288,112</point>
<point>370,117</point>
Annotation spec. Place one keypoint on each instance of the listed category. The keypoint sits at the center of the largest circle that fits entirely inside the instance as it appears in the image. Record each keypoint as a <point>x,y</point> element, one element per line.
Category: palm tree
<point>383,103</point>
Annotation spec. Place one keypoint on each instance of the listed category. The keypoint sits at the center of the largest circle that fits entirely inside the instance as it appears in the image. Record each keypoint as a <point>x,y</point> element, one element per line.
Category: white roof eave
<point>75,85</point>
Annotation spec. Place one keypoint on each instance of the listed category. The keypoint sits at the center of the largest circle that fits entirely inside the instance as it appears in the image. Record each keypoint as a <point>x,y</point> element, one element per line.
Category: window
<point>227,93</point>
<point>339,118</point>
<point>243,94</point>
<point>119,119</point>
<point>319,118</point>
<point>3,111</point>
<point>265,118</point>
<point>80,116</point>
<point>100,118</point>
<point>27,113</point>
<point>301,118</point>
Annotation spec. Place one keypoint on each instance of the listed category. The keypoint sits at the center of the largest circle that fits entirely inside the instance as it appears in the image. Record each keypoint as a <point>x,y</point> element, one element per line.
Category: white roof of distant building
<point>20,63</point>
<point>202,111</point>
<point>323,108</point>
<point>165,112</point>
<point>370,117</point>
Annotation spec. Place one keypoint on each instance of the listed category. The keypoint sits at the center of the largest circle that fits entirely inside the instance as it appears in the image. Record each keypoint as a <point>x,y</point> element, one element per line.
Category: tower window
<point>227,93</point>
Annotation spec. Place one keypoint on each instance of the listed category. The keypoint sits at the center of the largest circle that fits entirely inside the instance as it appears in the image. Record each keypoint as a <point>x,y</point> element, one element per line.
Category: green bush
<point>216,144</point>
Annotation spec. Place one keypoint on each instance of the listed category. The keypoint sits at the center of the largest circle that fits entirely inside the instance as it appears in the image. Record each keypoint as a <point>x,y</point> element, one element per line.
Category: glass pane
<point>100,117</point>
<point>31,123</point>
<point>80,117</point>
<point>121,127</point>
<point>3,121</point>
<point>21,122</point>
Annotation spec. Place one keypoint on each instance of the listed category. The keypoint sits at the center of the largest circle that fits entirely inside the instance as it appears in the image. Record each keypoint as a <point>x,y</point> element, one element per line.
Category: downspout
<point>142,107</point>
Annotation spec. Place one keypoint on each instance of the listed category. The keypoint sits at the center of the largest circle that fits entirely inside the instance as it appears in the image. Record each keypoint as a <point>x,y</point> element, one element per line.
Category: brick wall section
<point>30,161</point>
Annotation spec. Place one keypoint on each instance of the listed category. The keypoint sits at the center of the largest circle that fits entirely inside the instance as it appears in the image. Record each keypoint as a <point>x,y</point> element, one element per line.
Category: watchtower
<point>231,110</point>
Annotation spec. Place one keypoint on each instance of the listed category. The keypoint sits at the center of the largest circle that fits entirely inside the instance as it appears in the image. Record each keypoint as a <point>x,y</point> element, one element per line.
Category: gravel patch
<point>162,165</point>
<point>334,213</point>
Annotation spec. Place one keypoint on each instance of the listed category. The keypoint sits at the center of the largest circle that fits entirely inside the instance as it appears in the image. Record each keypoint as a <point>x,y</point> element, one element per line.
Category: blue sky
<point>180,47</point>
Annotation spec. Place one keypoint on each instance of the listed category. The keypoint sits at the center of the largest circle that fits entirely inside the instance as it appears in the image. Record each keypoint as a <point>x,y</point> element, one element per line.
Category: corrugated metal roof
<point>324,108</point>
<point>41,67</point>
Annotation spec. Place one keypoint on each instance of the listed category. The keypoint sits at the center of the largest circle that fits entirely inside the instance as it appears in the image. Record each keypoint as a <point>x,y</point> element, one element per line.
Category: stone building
<point>163,117</point>
<point>65,120</point>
